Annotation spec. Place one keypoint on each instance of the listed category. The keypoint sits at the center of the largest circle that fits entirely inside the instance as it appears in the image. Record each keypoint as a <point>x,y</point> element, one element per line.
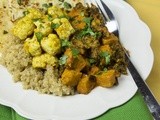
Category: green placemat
<point>134,109</point>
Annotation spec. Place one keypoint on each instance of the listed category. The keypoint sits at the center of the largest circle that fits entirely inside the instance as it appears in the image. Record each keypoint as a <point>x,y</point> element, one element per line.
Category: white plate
<point>134,35</point>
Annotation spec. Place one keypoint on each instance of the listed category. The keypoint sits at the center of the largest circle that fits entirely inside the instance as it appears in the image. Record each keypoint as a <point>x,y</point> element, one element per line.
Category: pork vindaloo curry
<point>76,42</point>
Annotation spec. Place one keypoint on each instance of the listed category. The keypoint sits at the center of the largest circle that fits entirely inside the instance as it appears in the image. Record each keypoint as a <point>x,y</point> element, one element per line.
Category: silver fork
<point>112,26</point>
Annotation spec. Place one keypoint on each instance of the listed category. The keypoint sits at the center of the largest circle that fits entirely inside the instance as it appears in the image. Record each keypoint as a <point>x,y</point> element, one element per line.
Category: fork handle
<point>148,97</point>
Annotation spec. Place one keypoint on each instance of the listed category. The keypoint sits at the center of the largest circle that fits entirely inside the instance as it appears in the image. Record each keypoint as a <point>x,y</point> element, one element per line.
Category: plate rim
<point>22,113</point>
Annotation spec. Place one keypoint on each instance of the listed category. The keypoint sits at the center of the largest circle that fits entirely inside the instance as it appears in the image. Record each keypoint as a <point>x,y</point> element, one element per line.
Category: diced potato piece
<point>51,44</point>
<point>106,79</point>
<point>86,84</point>
<point>64,30</point>
<point>44,28</point>
<point>94,70</point>
<point>79,63</point>
<point>32,46</point>
<point>105,48</point>
<point>71,77</point>
<point>34,13</point>
<point>44,59</point>
<point>55,12</point>
<point>111,39</point>
<point>23,28</point>
<point>70,58</point>
<point>76,63</point>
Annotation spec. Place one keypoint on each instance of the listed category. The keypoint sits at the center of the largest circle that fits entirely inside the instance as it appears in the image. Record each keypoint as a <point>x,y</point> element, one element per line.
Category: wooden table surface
<point>149,12</point>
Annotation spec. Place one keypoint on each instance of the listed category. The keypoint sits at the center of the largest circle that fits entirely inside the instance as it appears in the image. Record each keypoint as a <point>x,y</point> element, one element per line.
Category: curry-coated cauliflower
<point>43,26</point>
<point>34,13</point>
<point>55,12</point>
<point>44,59</point>
<point>32,46</point>
<point>51,44</point>
<point>23,28</point>
<point>64,30</point>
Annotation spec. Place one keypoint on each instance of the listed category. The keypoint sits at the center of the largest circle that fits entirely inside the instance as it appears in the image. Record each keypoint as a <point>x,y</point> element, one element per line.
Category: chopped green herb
<point>105,69</point>
<point>39,36</point>
<point>45,5</point>
<point>75,52</point>
<point>86,32</point>
<point>54,25</point>
<point>65,16</point>
<point>65,43</point>
<point>50,17</point>
<point>67,5</point>
<point>88,20</point>
<point>41,26</point>
<point>37,19</point>
<point>91,60</point>
<point>106,56</point>
<point>98,34</point>
<point>63,60</point>
<point>25,13</point>
<point>19,2</point>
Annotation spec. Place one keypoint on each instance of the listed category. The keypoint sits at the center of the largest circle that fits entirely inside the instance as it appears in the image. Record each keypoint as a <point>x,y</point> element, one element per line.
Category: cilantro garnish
<point>88,20</point>
<point>25,13</point>
<point>87,30</point>
<point>45,5</point>
<point>63,60</point>
<point>50,17</point>
<point>39,36</point>
<point>67,5</point>
<point>54,25</point>
<point>65,43</point>
<point>75,52</point>
<point>37,19</point>
<point>106,56</point>
<point>91,60</point>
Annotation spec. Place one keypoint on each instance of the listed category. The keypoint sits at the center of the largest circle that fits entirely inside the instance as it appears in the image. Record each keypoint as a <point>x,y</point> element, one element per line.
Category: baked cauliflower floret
<point>44,59</point>
<point>55,11</point>
<point>34,13</point>
<point>32,46</point>
<point>51,44</point>
<point>64,29</point>
<point>43,27</point>
<point>23,28</point>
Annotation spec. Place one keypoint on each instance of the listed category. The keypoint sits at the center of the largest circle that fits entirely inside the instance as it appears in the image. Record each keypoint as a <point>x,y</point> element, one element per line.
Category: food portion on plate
<point>59,48</point>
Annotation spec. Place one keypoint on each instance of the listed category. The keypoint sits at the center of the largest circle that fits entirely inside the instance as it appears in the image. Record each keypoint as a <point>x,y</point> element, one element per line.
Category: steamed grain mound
<point>18,63</point>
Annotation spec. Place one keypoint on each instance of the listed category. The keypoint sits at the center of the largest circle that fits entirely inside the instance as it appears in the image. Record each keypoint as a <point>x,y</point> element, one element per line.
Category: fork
<point>112,25</point>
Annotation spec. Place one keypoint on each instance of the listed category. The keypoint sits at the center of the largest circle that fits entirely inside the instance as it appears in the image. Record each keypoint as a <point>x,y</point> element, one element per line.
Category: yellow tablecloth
<point>149,12</point>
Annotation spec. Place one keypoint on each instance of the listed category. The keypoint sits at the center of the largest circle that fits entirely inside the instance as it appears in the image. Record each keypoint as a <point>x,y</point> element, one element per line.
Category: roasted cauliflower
<point>51,44</point>
<point>55,12</point>
<point>44,59</point>
<point>43,26</point>
<point>23,28</point>
<point>32,46</point>
<point>63,27</point>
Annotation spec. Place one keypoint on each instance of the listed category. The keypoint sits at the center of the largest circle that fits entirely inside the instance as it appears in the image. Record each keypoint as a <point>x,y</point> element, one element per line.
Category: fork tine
<point>101,8</point>
<point>105,19</point>
<point>112,24</point>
